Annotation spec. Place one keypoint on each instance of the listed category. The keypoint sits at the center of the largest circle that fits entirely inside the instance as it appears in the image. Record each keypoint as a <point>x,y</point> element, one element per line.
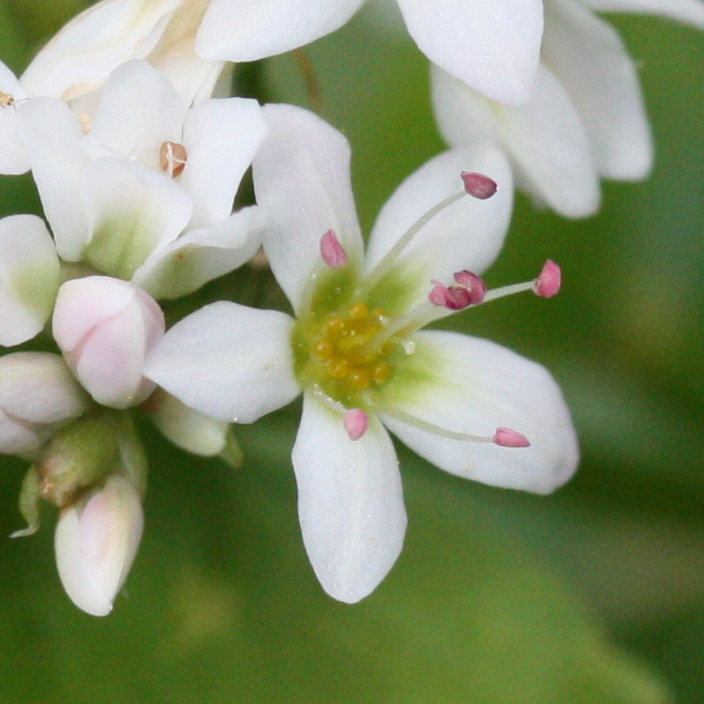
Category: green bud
<point>78,456</point>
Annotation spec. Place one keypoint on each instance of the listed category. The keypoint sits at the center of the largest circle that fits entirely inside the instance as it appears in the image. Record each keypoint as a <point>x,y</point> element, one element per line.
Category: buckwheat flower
<point>38,395</point>
<point>106,327</point>
<point>357,352</point>
<point>493,47</point>
<point>96,542</point>
<point>78,60</point>
<point>585,119</point>
<point>147,194</point>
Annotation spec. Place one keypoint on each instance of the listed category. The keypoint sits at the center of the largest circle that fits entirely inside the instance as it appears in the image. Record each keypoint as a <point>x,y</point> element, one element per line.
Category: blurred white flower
<point>96,542</point>
<point>585,119</point>
<point>106,327</point>
<point>356,350</point>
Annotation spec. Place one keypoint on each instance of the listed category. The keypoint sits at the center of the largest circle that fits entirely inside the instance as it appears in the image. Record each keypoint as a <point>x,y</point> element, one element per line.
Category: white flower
<point>147,194</point>
<point>585,119</point>
<point>37,396</point>
<point>106,327</point>
<point>491,46</point>
<point>96,542</point>
<point>80,57</point>
<point>467,405</point>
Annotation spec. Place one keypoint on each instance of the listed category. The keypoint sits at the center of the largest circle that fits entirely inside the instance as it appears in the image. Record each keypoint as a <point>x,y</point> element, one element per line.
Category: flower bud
<point>105,327</point>
<point>38,394</point>
<point>96,541</point>
<point>78,456</point>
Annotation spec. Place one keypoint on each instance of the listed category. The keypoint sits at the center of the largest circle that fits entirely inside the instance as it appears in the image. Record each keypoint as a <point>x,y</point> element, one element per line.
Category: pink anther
<point>355,422</point>
<point>510,438</point>
<point>473,284</point>
<point>548,283</point>
<point>478,185</point>
<point>332,252</point>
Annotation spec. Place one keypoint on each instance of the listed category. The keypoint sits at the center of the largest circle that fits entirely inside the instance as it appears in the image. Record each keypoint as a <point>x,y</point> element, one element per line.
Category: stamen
<point>548,283</point>
<point>332,252</point>
<point>478,185</point>
<point>172,158</point>
<point>421,424</point>
<point>356,422</point>
<point>505,437</point>
<point>388,259</point>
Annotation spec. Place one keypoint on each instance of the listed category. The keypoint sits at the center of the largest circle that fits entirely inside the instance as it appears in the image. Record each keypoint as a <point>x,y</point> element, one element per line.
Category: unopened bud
<point>77,456</point>
<point>105,327</point>
<point>38,394</point>
<point>96,542</point>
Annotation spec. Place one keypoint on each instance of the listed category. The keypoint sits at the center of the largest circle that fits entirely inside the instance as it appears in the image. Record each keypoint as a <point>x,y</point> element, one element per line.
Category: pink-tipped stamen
<point>548,283</point>
<point>505,437</point>
<point>478,185</point>
<point>355,422</point>
<point>332,252</point>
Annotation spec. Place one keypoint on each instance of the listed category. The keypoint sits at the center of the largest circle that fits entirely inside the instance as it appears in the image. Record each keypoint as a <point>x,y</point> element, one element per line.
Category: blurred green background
<point>591,595</point>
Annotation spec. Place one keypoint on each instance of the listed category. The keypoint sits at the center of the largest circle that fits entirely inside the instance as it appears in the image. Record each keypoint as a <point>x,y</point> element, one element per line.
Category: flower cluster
<point>137,166</point>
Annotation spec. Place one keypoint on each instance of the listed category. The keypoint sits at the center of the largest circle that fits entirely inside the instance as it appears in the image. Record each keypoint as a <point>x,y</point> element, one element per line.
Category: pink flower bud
<point>96,542</point>
<point>105,327</point>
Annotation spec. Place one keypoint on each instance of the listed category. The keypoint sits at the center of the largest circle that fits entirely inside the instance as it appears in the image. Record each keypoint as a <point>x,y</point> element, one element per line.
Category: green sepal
<point>30,495</point>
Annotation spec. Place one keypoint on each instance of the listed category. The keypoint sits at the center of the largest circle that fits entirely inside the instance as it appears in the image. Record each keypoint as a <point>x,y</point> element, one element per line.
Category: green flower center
<point>337,353</point>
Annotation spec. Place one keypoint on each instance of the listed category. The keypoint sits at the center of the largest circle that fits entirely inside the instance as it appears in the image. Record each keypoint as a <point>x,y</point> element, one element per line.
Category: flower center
<point>337,354</point>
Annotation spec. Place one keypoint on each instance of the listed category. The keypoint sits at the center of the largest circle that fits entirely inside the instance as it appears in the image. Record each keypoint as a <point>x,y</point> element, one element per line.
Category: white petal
<point>350,502</point>
<point>591,62</point>
<point>228,361</point>
<point>13,156</point>
<point>29,278</point>
<point>131,211</point>
<point>80,57</point>
<point>184,265</point>
<point>139,111</point>
<point>302,177</point>
<point>240,30</point>
<point>545,139</point>
<point>221,138</point>
<point>491,46</point>
<point>466,235</point>
<point>193,77</point>
<point>473,386</point>
<point>53,136</point>
<point>689,11</point>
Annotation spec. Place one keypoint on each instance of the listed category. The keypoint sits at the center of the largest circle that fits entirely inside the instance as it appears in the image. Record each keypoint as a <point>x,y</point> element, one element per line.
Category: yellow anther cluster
<point>346,352</point>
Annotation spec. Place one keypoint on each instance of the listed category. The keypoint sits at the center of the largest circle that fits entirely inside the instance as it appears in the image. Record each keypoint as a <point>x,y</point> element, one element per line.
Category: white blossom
<point>355,350</point>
